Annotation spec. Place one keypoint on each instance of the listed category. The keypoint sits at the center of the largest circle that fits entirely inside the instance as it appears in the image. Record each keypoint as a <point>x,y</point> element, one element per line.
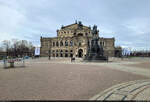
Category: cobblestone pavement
<point>125,65</point>
<point>62,79</point>
<point>133,90</point>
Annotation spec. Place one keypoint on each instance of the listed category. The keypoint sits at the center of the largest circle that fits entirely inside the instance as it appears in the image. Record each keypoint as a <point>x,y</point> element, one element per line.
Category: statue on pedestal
<point>95,51</point>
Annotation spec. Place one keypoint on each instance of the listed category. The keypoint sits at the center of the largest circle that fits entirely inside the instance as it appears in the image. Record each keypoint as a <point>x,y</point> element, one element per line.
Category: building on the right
<point>108,46</point>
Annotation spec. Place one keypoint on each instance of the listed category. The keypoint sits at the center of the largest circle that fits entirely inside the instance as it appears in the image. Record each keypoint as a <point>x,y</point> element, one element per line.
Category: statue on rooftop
<point>80,25</point>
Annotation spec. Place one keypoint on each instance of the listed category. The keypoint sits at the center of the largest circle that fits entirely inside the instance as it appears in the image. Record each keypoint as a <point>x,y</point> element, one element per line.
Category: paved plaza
<point>60,79</point>
<point>134,90</point>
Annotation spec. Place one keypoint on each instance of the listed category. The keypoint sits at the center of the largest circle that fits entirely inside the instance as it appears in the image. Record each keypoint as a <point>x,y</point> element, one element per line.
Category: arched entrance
<point>80,53</point>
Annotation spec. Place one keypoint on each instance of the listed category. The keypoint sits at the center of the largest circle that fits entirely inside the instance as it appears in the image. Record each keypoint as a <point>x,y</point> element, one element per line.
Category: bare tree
<point>17,47</point>
<point>6,46</point>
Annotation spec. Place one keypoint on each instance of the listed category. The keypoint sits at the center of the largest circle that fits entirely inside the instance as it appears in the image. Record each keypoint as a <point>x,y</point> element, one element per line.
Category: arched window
<point>71,51</point>
<point>57,44</point>
<point>61,43</point>
<point>53,43</point>
<point>80,43</point>
<point>101,43</point>
<point>71,43</point>
<point>61,53</point>
<point>66,53</point>
<point>71,55</point>
<point>66,43</point>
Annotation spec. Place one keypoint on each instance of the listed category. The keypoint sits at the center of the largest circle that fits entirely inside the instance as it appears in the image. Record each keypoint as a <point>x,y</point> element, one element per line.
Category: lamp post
<point>49,55</point>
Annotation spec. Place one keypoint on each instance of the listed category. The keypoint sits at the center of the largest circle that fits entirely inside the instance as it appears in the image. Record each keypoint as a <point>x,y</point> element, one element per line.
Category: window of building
<point>71,43</point>
<point>61,43</point>
<point>53,43</point>
<point>71,55</point>
<point>101,43</point>
<point>61,51</point>
<point>66,53</point>
<point>66,43</point>
<point>57,44</point>
<point>80,43</point>
<point>61,55</point>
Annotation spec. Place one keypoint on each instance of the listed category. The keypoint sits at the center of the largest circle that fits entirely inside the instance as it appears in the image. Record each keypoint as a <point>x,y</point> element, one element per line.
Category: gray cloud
<point>126,20</point>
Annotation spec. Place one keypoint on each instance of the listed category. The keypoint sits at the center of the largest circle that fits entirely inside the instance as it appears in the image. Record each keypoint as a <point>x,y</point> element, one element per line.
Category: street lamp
<point>49,51</point>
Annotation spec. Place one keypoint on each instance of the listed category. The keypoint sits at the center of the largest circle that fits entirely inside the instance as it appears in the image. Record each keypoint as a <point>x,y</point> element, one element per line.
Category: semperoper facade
<point>73,41</point>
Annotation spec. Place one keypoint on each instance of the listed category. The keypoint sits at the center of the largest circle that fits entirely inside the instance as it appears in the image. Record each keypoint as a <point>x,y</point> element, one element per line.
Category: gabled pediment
<point>74,26</point>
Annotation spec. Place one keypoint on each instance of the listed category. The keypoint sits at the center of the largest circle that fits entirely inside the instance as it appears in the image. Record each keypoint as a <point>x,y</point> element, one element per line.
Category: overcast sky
<point>126,20</point>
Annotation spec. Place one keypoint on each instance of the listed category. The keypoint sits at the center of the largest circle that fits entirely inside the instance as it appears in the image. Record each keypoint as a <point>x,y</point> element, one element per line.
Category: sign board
<point>37,51</point>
